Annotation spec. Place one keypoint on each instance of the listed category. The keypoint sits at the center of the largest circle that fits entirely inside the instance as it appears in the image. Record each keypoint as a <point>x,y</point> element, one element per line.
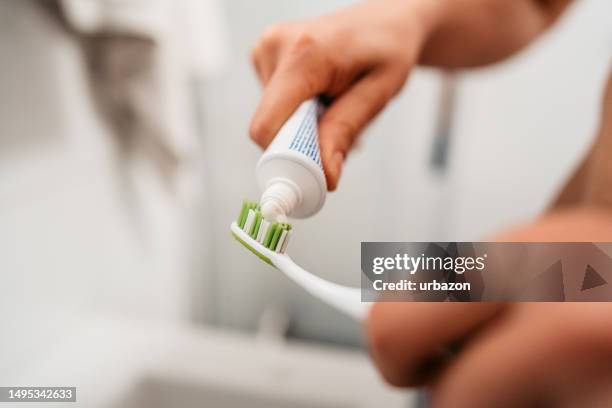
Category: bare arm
<point>479,32</point>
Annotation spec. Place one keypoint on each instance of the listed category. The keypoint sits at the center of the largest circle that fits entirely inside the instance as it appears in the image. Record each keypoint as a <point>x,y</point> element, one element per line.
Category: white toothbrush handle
<point>343,298</point>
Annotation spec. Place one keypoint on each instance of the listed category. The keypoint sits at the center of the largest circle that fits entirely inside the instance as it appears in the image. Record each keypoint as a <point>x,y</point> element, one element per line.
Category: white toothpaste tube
<point>290,172</point>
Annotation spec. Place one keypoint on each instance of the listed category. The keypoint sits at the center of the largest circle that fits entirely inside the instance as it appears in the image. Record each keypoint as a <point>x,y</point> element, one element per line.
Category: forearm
<point>467,33</point>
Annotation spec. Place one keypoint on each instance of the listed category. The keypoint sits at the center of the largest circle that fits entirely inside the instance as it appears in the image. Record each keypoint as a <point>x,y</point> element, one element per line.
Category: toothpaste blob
<point>290,172</point>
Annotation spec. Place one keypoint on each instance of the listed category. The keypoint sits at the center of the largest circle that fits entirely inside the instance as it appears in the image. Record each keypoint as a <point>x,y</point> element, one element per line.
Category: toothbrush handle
<point>344,298</point>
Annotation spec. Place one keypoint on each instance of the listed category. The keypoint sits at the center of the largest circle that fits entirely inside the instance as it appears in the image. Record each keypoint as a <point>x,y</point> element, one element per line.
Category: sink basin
<point>160,393</point>
<point>117,364</point>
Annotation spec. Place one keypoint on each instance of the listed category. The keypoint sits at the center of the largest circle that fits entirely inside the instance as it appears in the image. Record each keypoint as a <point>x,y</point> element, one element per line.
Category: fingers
<point>302,73</point>
<point>349,115</point>
<point>299,61</point>
<point>406,339</point>
<point>539,355</point>
<point>265,54</point>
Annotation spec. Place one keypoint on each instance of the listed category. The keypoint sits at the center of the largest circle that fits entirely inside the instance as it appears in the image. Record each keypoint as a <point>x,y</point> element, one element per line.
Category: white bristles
<point>281,241</point>
<point>286,242</point>
<point>263,229</point>
<point>249,222</point>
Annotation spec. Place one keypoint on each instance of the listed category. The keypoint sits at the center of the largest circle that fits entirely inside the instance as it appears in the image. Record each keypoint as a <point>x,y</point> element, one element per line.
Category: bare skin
<point>360,57</point>
<point>511,354</point>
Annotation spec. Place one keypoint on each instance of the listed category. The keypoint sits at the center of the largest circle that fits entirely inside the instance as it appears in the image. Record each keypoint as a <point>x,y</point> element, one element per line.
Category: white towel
<point>196,26</point>
<point>144,57</point>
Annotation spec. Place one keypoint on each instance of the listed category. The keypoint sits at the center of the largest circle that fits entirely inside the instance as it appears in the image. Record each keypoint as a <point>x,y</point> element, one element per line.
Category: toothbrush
<point>269,240</point>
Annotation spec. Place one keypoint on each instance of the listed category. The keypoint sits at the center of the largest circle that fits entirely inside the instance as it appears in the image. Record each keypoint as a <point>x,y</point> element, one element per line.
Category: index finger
<point>301,75</point>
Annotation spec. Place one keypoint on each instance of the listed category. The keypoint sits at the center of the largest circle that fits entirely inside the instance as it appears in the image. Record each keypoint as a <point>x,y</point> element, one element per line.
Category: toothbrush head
<point>259,235</point>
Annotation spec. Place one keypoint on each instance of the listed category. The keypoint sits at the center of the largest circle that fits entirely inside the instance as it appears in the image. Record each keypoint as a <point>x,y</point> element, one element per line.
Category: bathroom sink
<point>117,364</point>
<point>161,393</point>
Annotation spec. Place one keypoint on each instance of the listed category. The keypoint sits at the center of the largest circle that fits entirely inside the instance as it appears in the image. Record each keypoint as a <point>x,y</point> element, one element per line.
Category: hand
<point>507,355</point>
<point>359,58</point>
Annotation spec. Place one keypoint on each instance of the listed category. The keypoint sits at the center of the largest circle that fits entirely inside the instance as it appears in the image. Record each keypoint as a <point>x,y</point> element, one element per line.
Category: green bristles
<point>278,230</point>
<point>246,206</point>
<point>268,238</point>
<point>273,234</point>
<point>256,224</point>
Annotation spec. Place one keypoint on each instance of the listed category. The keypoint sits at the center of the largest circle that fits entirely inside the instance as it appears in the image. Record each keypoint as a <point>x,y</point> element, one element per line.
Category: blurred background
<point>124,157</point>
